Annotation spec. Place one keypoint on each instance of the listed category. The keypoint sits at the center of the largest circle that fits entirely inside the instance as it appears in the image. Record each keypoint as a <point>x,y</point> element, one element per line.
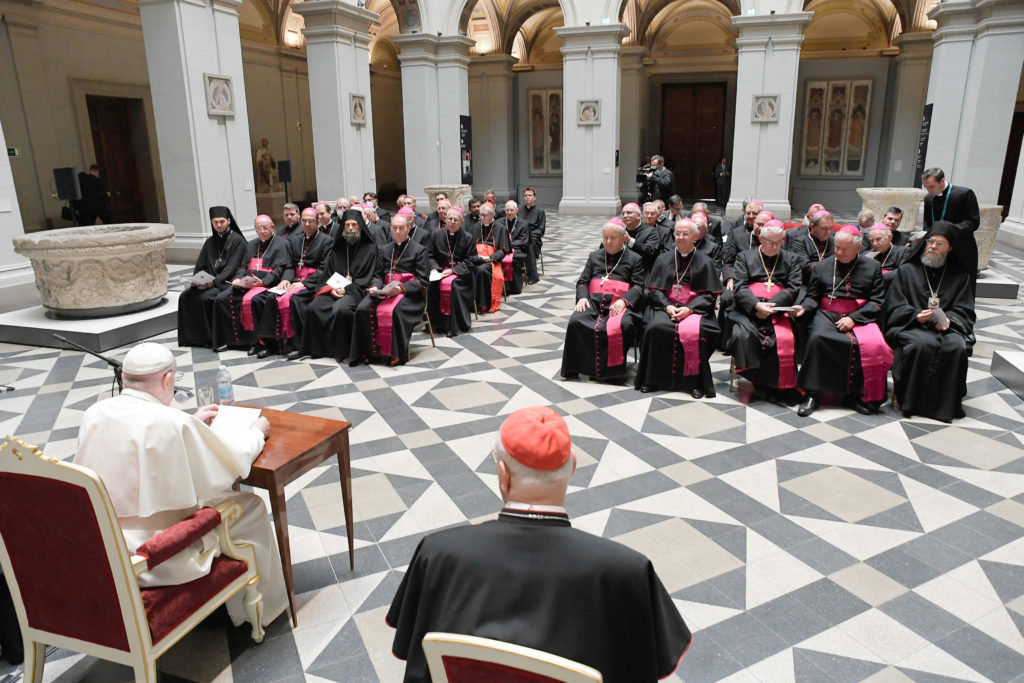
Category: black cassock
<point>647,244</point>
<point>487,287</point>
<point>457,252</point>
<point>285,230</point>
<point>587,336</point>
<point>324,326</point>
<point>665,361</point>
<point>272,312</point>
<point>409,264</point>
<point>959,206</point>
<point>854,363</point>
<point>890,262</point>
<point>537,219</point>
<point>755,342</point>
<point>220,257</point>
<point>929,371</point>
<point>808,250</point>
<point>740,240</point>
<point>233,309</point>
<point>529,578</point>
<point>518,231</point>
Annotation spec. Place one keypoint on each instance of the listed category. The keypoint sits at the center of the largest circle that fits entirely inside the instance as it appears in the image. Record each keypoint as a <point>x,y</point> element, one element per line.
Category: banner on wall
<point>922,143</point>
<point>466,149</point>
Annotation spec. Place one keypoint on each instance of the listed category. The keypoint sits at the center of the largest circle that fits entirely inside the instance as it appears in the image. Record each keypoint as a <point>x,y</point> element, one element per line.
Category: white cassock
<point>160,465</point>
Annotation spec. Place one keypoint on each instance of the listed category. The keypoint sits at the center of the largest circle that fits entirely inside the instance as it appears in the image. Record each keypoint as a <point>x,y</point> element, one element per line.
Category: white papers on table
<point>435,275</point>
<point>338,281</point>
<point>234,420</point>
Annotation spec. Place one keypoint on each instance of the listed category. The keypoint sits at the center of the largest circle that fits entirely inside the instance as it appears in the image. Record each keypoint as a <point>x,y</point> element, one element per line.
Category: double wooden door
<point>113,138</point>
<point>693,135</point>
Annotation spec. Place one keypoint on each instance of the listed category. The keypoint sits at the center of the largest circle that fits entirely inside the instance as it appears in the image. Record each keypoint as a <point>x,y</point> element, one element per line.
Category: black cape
<point>220,256</point>
<point>227,308</point>
<point>409,257</point>
<point>648,244</point>
<point>929,371</point>
<point>537,582</point>
<point>831,359</point>
<point>324,327</point>
<point>457,252</point>
<point>890,261</point>
<point>661,353</point>
<point>959,206</point>
<point>809,251</point>
<point>586,339</point>
<point>305,253</point>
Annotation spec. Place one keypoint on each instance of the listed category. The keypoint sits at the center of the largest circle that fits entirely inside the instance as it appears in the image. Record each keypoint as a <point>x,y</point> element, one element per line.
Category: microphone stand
<point>112,362</point>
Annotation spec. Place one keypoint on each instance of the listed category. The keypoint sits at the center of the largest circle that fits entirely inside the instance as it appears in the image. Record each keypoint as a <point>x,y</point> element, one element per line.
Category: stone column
<point>912,66</point>
<point>590,71</point>
<point>634,115</point>
<point>1011,232</point>
<point>435,92</point>
<point>337,55</point>
<point>769,63</point>
<point>205,159</point>
<point>976,68</point>
<point>14,269</point>
<point>490,99</point>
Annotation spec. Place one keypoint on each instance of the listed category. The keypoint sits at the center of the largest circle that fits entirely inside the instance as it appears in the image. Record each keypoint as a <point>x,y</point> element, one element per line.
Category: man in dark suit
<point>663,183</point>
<point>529,578</point>
<point>723,181</point>
<point>957,205</point>
<point>95,201</point>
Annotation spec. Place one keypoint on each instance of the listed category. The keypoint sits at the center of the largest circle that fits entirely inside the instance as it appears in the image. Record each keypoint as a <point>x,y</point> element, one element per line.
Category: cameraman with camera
<point>661,181</point>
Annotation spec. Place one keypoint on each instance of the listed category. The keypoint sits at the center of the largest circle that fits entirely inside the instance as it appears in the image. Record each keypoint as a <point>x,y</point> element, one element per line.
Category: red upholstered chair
<point>454,658</point>
<point>73,582</point>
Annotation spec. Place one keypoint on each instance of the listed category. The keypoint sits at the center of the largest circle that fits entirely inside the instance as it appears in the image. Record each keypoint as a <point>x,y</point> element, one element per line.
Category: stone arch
<point>849,25</point>
<point>410,15</point>
<point>650,9</point>
<point>517,19</point>
<point>708,16</point>
<point>457,18</point>
<point>494,23</point>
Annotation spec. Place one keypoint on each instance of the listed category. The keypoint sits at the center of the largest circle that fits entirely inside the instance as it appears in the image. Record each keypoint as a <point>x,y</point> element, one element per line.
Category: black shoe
<point>294,354</point>
<point>252,350</point>
<point>863,407</point>
<point>570,375</point>
<point>646,388</point>
<point>809,405</point>
<point>263,352</point>
<point>697,392</point>
<point>222,347</point>
<point>533,282</point>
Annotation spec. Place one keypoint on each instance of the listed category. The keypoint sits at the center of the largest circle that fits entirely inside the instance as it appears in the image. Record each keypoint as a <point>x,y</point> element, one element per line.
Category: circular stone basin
<point>100,270</point>
<point>878,199</point>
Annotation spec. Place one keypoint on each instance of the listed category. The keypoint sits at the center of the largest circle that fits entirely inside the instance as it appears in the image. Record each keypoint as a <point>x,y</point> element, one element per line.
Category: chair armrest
<point>177,537</point>
<point>231,512</point>
<point>140,565</point>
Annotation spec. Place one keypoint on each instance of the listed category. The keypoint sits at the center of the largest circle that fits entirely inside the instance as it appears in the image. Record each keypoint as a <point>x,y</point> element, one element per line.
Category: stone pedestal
<point>100,270</point>
<point>991,217</point>
<point>272,204</point>
<point>337,54</point>
<point>206,160</point>
<point>590,71</point>
<point>878,199</point>
<point>975,75</point>
<point>769,62</point>
<point>458,195</point>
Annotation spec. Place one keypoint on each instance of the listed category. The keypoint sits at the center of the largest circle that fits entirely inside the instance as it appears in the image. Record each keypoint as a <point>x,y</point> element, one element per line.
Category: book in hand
<point>940,318</point>
<point>338,281</point>
<point>785,309</point>
<point>201,279</point>
<point>435,275</point>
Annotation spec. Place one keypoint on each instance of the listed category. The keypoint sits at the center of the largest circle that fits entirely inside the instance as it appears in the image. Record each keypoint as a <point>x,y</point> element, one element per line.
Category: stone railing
<point>99,270</point>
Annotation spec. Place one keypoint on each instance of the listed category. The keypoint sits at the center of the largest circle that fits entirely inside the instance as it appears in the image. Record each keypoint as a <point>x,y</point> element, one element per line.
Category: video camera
<point>643,183</point>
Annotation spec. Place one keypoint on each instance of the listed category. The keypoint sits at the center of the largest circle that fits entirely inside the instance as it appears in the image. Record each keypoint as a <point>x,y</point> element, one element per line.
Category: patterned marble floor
<point>832,548</point>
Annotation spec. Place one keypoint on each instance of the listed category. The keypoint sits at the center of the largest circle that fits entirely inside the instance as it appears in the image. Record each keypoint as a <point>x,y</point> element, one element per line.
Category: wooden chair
<point>454,658</point>
<point>73,582</point>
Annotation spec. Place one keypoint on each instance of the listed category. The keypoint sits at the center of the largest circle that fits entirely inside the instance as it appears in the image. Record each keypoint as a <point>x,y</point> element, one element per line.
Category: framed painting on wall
<point>835,127</point>
<point>856,134</point>
<point>814,114</point>
<point>220,99</point>
<point>835,132</point>
<point>544,109</point>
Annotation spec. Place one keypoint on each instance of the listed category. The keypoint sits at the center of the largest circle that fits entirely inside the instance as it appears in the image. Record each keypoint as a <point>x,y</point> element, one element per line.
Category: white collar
<point>526,507</point>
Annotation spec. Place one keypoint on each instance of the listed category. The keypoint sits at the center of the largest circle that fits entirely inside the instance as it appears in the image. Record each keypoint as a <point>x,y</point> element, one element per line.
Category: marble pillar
<point>634,112</point>
<point>435,92</point>
<point>490,99</point>
<point>337,55</point>
<point>205,159</point>
<point>976,68</point>
<point>912,67</point>
<point>590,72</point>
<point>769,63</point>
<point>14,269</point>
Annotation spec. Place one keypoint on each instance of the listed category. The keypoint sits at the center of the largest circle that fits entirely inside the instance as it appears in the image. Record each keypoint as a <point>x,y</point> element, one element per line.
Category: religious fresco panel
<point>545,115</point>
<point>856,136</point>
<point>814,114</point>
<point>835,132</point>
<point>835,128</point>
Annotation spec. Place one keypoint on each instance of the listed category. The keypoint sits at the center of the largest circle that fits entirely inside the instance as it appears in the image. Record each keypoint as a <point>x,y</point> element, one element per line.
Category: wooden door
<point>1010,164</point>
<point>112,138</point>
<point>693,135</point>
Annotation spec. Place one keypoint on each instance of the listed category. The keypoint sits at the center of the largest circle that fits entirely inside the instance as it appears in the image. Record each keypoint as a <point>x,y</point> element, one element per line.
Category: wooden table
<point>297,444</point>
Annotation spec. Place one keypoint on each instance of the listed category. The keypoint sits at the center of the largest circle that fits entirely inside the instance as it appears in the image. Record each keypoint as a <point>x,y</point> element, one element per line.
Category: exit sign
<point>14,151</point>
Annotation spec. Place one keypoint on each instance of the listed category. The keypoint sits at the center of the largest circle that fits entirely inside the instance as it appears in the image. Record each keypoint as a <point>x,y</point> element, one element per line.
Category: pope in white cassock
<point>160,465</point>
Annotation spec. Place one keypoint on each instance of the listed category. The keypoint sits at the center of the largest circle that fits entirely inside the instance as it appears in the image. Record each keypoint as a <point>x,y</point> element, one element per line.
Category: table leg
<point>345,472</point>
<point>278,505</point>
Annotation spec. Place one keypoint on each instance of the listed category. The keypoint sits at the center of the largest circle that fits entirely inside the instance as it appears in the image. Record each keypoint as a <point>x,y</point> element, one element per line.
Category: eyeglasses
<point>774,243</point>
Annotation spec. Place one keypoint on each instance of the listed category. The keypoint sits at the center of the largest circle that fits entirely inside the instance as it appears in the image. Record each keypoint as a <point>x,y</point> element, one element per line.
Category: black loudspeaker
<point>284,171</point>
<point>66,180</point>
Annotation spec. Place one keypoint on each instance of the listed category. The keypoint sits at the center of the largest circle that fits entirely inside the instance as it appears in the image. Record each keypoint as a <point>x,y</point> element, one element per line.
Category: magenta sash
<point>386,312</point>
<point>688,329</point>
<point>875,355</point>
<point>284,310</point>
<point>506,265</point>
<point>785,345</point>
<point>446,294</point>
<point>613,328</point>
<point>247,323</point>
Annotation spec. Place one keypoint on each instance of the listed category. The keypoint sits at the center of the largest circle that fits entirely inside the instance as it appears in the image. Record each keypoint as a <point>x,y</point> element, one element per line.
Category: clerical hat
<point>145,359</point>
<point>537,437</point>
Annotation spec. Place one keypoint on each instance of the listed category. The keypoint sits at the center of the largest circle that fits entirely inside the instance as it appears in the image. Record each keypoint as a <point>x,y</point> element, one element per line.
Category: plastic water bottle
<point>225,391</point>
